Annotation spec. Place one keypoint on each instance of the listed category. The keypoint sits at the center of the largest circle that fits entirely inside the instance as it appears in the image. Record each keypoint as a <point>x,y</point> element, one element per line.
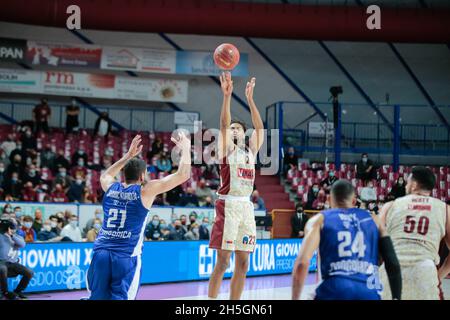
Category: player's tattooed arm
<point>225,115</point>
<point>109,176</point>
<point>309,245</point>
<point>257,138</point>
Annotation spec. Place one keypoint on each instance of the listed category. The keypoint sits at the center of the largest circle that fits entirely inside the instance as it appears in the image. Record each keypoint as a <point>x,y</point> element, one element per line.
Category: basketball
<point>226,56</point>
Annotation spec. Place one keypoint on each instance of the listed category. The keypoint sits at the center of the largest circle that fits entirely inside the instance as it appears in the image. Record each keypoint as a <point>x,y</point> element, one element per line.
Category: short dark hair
<point>239,122</point>
<point>424,177</point>
<point>342,190</point>
<point>133,169</point>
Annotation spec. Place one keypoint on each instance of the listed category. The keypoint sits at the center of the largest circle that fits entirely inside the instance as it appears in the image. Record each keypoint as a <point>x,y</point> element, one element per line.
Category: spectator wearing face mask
<point>46,232</point>
<point>41,114</point>
<point>8,145</point>
<point>103,125</point>
<point>328,181</point>
<point>72,112</point>
<point>7,208</point>
<point>75,192</point>
<point>79,154</point>
<point>31,175</point>
<point>60,162</point>
<point>63,179</point>
<point>27,228</point>
<point>88,195</point>
<point>203,191</point>
<point>184,223</point>
<point>313,195</point>
<point>193,233</point>
<point>178,232</point>
<point>37,223</point>
<point>18,213</point>
<point>72,231</point>
<point>192,219</point>
<point>203,230</point>
<point>92,234</point>
<point>290,161</point>
<point>398,189</point>
<point>152,231</point>
<point>365,168</point>
<point>16,165</point>
<point>165,231</point>
<point>80,169</point>
<point>58,194</point>
<point>13,187</point>
<point>54,224</point>
<point>163,163</point>
<point>258,201</point>
<point>189,199</point>
<point>29,194</point>
<point>368,193</point>
<point>98,214</point>
<point>47,157</point>
<point>298,222</point>
<point>29,142</point>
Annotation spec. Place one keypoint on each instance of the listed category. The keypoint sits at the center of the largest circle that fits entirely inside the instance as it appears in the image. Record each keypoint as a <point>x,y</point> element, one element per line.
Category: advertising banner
<point>67,55</point>
<point>20,81</point>
<point>12,50</point>
<point>63,266</point>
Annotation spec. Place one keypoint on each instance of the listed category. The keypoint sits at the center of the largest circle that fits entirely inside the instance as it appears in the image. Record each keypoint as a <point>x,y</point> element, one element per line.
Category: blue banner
<point>63,266</point>
<point>202,63</point>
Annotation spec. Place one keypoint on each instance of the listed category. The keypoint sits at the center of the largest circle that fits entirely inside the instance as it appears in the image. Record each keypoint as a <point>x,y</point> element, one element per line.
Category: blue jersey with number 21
<point>348,255</point>
<point>124,221</point>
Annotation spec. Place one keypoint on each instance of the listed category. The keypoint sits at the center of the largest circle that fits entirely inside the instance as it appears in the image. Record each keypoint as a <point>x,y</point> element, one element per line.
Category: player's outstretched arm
<point>257,138</point>
<point>225,115</point>
<point>444,270</point>
<point>309,245</point>
<point>155,187</point>
<point>391,263</point>
<point>109,176</point>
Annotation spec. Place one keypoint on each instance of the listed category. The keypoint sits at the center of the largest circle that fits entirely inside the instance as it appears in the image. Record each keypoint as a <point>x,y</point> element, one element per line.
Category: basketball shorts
<point>113,277</point>
<point>340,288</point>
<point>420,281</point>
<point>234,226</point>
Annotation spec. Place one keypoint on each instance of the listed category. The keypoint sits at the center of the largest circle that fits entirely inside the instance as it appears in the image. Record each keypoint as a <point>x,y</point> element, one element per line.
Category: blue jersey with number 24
<point>124,221</point>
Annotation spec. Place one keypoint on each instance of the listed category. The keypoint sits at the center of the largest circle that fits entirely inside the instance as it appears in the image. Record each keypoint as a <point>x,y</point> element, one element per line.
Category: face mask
<point>163,225</point>
<point>28,134</point>
<point>62,174</point>
<point>19,214</point>
<point>97,226</point>
<point>14,180</point>
<point>364,160</point>
<point>2,169</point>
<point>204,224</point>
<point>99,215</point>
<point>80,151</point>
<point>79,181</point>
<point>53,224</point>
<point>73,224</point>
<point>32,173</point>
<point>47,227</point>
<point>81,163</point>
<point>155,222</point>
<point>331,174</point>
<point>28,225</point>
<point>195,230</point>
<point>74,103</point>
<point>326,206</point>
<point>173,220</point>
<point>316,189</point>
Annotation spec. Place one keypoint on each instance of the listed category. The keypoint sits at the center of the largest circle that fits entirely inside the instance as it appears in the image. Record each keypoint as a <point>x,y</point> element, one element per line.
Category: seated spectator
<point>189,199</point>
<point>368,193</point>
<point>192,219</point>
<point>193,233</point>
<point>88,196</point>
<point>7,208</point>
<point>58,194</point>
<point>72,231</point>
<point>16,165</point>
<point>75,192</point>
<point>98,214</point>
<point>29,193</point>
<point>203,229</point>
<point>184,224</point>
<point>290,161</point>
<point>95,229</point>
<point>157,147</point>
<point>257,201</point>
<point>203,191</point>
<point>79,154</point>
<point>18,213</point>
<point>178,232</point>
<point>365,169</point>
<point>63,179</point>
<point>9,144</point>
<point>60,162</point>
<point>62,222</point>
<point>13,187</point>
<point>18,157</point>
<point>165,232</point>
<point>103,125</point>
<point>37,223</point>
<point>328,181</point>
<point>313,194</point>
<point>298,222</point>
<point>79,169</point>
<point>27,228</point>
<point>173,218</point>
<point>46,233</point>
<point>54,224</point>
<point>29,142</point>
<point>209,203</point>
<point>48,157</point>
<point>398,189</point>
<point>164,164</point>
<point>152,231</point>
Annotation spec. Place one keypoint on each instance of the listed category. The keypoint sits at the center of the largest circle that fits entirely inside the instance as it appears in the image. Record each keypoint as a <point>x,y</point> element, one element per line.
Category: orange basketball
<point>226,56</point>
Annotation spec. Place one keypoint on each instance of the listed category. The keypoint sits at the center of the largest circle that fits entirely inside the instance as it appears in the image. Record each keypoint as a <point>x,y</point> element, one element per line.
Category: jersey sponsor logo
<point>128,196</point>
<point>229,242</point>
<point>420,207</point>
<point>245,173</point>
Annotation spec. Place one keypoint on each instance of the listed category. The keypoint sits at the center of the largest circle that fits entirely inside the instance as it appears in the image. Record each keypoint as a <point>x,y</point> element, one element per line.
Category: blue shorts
<point>113,277</point>
<point>338,288</point>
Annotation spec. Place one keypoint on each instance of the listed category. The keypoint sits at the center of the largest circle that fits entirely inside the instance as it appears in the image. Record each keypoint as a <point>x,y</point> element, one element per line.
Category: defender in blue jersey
<point>349,242</point>
<point>115,269</point>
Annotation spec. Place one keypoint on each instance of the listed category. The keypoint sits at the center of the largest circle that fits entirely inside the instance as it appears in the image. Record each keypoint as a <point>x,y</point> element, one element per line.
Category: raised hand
<point>226,83</point>
<point>249,89</point>
<point>135,147</point>
<point>182,142</point>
